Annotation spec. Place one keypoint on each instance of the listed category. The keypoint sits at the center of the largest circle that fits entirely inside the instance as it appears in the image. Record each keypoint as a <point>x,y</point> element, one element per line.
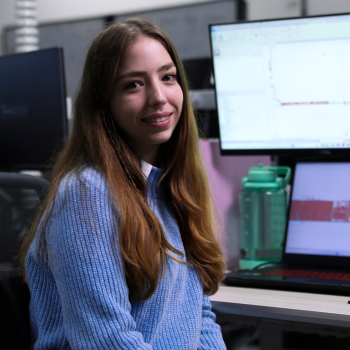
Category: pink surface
<point>225,174</point>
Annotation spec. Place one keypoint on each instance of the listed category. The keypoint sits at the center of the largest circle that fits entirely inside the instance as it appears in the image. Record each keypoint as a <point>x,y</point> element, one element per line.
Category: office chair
<point>20,199</point>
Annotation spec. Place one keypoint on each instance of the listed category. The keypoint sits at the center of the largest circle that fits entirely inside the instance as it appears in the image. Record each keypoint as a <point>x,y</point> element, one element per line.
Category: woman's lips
<point>159,119</point>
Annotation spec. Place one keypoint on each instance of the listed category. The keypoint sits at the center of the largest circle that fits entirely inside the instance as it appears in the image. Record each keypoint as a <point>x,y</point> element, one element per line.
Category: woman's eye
<point>132,85</point>
<point>169,77</point>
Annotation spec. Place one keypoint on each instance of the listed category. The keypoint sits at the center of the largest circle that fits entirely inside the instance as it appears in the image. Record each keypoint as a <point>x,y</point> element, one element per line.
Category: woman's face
<point>146,100</point>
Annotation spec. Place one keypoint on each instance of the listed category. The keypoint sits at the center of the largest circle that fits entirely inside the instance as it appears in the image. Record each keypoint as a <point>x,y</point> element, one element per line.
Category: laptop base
<point>289,278</point>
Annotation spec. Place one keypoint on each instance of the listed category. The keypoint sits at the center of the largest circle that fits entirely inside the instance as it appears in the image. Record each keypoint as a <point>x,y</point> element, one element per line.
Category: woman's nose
<point>156,95</point>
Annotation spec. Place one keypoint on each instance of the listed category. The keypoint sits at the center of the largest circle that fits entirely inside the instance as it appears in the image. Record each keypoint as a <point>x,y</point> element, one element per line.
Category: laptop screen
<point>319,219</point>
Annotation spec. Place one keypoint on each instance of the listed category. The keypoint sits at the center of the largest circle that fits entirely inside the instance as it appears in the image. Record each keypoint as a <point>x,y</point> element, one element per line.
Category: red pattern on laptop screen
<point>310,274</point>
<point>313,210</point>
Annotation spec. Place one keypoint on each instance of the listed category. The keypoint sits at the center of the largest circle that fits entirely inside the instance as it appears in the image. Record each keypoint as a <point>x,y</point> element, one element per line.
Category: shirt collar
<point>153,175</point>
<point>146,168</point>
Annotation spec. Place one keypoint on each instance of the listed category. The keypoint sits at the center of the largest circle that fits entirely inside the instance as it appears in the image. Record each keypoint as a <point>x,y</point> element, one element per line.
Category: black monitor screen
<point>283,86</point>
<point>33,116</point>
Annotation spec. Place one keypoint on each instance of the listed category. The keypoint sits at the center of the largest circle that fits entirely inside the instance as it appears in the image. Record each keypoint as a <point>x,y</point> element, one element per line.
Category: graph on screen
<point>283,84</point>
<point>333,211</point>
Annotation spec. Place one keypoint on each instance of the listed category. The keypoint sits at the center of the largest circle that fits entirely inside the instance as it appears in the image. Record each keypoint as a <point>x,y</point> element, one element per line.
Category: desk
<point>303,312</point>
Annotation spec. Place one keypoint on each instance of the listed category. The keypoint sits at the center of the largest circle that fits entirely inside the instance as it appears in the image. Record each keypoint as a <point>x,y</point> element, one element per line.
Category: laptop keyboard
<point>338,276</point>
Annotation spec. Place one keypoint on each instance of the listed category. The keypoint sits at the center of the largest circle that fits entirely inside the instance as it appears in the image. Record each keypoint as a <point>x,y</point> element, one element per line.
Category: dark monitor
<point>283,86</point>
<point>33,115</point>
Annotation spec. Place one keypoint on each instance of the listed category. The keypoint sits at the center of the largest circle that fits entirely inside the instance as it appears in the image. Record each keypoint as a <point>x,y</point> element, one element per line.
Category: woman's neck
<point>150,156</point>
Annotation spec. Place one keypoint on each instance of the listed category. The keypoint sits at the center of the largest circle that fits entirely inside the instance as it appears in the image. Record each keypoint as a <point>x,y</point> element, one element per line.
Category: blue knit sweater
<point>79,295</point>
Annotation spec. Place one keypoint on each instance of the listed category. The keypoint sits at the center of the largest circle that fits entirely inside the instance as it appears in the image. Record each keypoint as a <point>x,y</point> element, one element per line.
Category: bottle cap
<point>264,178</point>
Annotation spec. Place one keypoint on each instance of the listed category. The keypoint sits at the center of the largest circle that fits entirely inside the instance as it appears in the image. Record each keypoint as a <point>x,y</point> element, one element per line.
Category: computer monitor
<point>283,86</point>
<point>33,114</point>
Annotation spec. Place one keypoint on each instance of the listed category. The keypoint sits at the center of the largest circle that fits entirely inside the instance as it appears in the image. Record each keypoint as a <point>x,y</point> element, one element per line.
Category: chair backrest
<point>20,199</point>
<point>14,312</point>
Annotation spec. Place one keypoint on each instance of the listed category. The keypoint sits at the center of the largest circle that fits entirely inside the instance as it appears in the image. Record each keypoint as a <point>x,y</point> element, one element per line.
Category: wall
<point>63,10</point>
<point>225,177</point>
<point>265,9</point>
<point>320,7</point>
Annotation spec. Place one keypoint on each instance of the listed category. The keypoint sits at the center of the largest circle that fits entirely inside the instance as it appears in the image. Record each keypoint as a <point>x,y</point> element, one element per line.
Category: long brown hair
<point>96,140</point>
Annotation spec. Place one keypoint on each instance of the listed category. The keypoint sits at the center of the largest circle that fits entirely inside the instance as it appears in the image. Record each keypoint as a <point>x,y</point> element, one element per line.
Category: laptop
<point>316,250</point>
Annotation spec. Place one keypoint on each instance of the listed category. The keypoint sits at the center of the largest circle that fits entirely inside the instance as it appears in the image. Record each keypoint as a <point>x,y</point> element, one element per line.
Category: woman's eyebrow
<point>133,74</point>
<point>166,67</point>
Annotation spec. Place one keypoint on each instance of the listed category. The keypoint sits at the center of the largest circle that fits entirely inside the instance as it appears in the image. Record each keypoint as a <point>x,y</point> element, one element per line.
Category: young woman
<point>123,254</point>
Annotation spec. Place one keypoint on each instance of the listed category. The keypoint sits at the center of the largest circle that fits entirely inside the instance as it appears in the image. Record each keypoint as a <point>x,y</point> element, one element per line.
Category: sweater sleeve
<point>83,253</point>
<point>211,336</point>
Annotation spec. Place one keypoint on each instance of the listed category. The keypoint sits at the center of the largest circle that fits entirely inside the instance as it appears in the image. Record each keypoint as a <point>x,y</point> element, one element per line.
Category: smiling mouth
<point>156,120</point>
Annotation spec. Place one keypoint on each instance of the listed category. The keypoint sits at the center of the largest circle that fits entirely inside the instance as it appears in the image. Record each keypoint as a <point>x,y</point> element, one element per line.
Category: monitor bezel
<point>289,152</point>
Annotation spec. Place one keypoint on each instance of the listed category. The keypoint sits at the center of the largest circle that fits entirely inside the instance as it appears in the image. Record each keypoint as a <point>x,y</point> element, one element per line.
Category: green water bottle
<point>262,215</point>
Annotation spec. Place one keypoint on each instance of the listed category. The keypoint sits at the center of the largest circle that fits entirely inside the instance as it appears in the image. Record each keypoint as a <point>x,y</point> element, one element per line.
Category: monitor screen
<point>283,86</point>
<point>33,115</point>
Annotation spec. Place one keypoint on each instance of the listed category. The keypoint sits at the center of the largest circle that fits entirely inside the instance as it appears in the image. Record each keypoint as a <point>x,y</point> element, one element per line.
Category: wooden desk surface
<point>318,309</point>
